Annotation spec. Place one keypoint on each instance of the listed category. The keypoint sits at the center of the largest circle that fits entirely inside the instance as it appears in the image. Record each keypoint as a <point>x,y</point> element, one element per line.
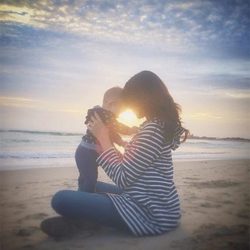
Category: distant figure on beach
<point>144,200</point>
<point>88,150</point>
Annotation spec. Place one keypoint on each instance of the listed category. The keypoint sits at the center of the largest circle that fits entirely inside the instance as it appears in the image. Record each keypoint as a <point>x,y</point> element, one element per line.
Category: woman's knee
<point>59,199</point>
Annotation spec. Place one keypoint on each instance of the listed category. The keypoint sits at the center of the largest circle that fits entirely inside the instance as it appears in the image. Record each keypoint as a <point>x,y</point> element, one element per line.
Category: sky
<point>57,58</point>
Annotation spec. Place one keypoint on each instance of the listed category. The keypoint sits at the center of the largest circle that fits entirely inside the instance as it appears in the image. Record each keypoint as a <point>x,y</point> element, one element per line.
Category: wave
<point>63,155</point>
<point>18,140</point>
<point>35,155</point>
<point>41,132</point>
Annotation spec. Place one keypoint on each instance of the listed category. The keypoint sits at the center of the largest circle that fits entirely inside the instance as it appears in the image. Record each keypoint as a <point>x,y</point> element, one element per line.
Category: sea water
<point>34,149</point>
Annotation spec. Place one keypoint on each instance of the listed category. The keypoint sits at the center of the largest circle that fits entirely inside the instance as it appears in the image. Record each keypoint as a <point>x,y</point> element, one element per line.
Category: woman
<point>144,200</point>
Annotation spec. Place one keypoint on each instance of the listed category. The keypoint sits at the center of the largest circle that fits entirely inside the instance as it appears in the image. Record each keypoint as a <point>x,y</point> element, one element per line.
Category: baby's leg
<point>87,166</point>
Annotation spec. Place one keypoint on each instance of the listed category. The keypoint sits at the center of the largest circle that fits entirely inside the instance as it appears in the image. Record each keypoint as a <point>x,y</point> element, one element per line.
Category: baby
<point>89,148</point>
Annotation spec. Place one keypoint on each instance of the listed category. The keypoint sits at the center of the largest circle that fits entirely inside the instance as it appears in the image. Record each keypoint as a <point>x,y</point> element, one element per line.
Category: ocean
<point>34,149</point>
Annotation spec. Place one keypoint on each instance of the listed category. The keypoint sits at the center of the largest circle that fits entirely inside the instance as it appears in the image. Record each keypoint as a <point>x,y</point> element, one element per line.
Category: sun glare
<point>129,118</point>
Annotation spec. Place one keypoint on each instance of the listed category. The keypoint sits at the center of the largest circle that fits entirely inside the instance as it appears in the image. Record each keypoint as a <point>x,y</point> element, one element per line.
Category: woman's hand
<point>100,131</point>
<point>97,127</point>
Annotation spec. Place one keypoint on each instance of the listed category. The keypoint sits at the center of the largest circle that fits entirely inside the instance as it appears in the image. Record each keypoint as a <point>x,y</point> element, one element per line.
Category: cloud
<point>173,26</point>
<point>224,81</point>
<point>54,52</point>
<point>203,116</point>
<point>20,102</point>
<point>16,14</point>
<point>239,94</point>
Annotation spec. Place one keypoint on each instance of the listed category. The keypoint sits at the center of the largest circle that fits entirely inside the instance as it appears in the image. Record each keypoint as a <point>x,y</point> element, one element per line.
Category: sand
<point>215,203</point>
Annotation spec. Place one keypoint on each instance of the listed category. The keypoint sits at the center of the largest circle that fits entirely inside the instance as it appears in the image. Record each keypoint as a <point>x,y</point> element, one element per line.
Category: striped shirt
<point>149,204</point>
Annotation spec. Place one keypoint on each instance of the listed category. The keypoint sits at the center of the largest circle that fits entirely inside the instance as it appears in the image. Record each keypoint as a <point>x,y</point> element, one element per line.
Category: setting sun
<point>129,118</point>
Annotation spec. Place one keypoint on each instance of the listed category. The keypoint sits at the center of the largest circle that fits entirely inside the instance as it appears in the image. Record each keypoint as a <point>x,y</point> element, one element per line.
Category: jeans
<point>95,207</point>
<point>86,163</point>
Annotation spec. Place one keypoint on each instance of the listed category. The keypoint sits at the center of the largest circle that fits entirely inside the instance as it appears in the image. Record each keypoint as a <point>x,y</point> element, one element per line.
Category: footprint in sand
<point>191,178</point>
<point>233,230</point>
<point>244,214</point>
<point>27,247</point>
<point>24,232</point>
<point>215,184</point>
<point>210,205</point>
<point>216,237</point>
<point>38,216</point>
<point>20,205</point>
<point>228,202</point>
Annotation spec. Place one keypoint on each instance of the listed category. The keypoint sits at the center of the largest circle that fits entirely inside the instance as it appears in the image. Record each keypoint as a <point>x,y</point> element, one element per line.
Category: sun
<point>129,118</point>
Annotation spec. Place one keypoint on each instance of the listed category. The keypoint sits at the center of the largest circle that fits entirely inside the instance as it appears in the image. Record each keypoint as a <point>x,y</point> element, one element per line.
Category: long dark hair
<point>147,91</point>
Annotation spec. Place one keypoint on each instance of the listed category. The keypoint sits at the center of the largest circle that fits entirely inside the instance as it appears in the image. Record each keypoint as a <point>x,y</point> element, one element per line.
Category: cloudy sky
<point>58,57</point>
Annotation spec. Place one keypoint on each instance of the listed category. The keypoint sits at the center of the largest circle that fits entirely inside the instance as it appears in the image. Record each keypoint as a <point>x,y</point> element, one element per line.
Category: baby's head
<point>112,100</point>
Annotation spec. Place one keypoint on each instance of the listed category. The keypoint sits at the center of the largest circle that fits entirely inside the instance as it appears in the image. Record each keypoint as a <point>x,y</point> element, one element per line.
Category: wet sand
<point>215,203</point>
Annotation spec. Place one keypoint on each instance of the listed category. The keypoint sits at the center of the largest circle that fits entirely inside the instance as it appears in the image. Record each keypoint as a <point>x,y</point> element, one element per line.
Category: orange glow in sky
<point>58,58</point>
<point>129,118</point>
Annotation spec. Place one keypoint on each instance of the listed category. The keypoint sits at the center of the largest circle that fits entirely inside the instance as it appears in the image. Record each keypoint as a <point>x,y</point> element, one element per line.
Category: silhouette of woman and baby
<point>143,199</point>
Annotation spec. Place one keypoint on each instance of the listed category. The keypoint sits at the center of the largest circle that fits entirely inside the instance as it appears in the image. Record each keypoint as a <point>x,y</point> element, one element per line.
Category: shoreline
<point>215,205</point>
<point>79,133</point>
<point>175,161</point>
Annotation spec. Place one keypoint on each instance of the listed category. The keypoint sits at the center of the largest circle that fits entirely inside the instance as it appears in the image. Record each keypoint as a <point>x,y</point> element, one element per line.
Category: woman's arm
<point>138,156</point>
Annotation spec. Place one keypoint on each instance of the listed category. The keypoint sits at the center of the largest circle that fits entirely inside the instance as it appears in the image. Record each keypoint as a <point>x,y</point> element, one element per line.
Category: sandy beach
<point>215,202</point>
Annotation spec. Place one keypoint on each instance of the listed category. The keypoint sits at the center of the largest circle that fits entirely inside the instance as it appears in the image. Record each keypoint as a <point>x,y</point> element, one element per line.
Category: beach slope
<point>215,203</point>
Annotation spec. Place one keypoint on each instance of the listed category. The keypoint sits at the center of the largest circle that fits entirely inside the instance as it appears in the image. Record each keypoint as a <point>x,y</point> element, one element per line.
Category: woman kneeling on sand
<point>144,200</point>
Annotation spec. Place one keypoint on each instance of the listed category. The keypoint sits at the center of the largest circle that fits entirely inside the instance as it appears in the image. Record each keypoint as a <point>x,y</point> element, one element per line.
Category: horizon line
<point>192,136</point>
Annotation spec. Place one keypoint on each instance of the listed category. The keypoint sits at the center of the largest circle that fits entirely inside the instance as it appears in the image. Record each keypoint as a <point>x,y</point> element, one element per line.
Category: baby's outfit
<point>89,148</point>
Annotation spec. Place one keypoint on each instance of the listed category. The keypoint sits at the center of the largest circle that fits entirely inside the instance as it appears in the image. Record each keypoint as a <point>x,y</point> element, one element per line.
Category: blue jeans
<point>86,163</point>
<point>96,207</point>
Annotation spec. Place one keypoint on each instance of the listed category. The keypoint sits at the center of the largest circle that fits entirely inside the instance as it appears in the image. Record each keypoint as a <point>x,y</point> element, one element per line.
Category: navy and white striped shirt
<point>149,203</point>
